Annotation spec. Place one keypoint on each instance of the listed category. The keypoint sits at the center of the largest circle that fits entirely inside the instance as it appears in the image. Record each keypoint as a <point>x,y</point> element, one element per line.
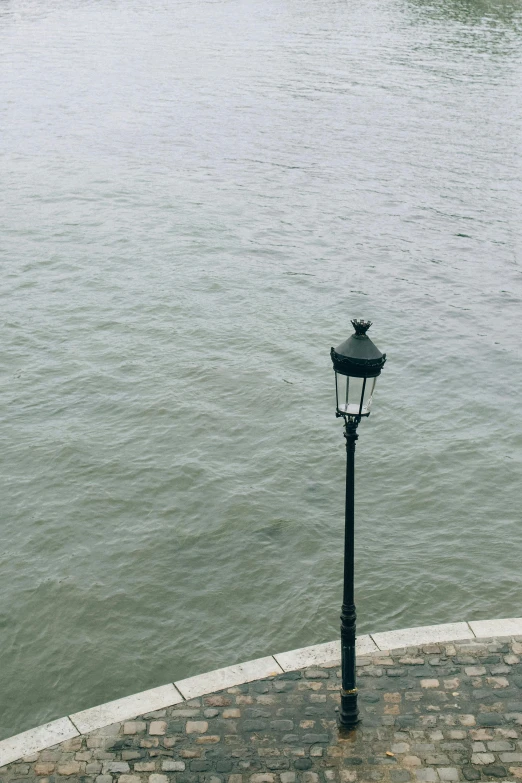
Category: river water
<point>196,198</point>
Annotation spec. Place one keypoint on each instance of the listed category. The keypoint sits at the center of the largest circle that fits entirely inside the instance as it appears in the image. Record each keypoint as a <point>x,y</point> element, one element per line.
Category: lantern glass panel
<point>354,395</point>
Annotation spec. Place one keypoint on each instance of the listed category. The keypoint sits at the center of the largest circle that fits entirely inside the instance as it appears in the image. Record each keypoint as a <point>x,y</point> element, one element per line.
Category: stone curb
<point>125,709</point>
<point>51,734</point>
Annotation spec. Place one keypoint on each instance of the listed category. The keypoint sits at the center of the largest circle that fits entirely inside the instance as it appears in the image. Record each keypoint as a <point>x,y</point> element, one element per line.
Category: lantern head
<point>357,363</point>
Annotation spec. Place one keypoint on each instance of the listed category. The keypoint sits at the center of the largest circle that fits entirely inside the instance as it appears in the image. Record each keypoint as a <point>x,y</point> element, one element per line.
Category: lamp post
<point>357,362</point>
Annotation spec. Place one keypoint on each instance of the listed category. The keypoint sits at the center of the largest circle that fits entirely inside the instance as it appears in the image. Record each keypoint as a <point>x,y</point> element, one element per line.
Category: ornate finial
<point>361,327</point>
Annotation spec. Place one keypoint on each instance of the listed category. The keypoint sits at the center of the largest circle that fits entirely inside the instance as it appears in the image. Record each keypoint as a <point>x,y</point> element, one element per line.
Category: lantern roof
<point>358,355</point>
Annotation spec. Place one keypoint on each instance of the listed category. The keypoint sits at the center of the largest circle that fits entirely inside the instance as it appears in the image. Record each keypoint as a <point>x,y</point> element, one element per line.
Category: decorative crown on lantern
<point>360,326</point>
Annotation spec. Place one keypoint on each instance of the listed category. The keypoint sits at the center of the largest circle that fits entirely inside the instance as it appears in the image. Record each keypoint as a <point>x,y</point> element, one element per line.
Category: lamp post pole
<point>349,714</point>
<point>357,363</point>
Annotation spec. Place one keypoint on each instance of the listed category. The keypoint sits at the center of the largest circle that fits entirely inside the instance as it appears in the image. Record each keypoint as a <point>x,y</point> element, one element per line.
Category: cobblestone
<point>434,714</point>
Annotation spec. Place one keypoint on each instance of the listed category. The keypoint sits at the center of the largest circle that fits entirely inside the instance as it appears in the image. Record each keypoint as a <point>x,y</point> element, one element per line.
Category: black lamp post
<point>357,363</point>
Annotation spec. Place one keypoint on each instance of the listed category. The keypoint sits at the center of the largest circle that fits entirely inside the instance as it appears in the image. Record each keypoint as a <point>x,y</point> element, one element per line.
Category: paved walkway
<point>441,712</point>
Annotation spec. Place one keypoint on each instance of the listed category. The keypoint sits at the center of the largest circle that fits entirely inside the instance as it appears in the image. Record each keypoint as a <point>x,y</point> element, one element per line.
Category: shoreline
<point>28,743</point>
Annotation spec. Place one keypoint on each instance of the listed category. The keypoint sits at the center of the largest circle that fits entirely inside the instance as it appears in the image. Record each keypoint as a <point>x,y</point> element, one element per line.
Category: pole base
<point>348,714</point>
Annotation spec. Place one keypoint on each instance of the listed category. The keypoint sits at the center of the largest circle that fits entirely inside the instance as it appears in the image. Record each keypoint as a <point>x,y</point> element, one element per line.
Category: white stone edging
<point>126,708</point>
<point>228,677</point>
<point>55,732</point>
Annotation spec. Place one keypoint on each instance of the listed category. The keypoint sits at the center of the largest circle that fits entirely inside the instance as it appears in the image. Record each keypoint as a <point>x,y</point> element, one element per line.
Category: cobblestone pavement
<point>449,712</point>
